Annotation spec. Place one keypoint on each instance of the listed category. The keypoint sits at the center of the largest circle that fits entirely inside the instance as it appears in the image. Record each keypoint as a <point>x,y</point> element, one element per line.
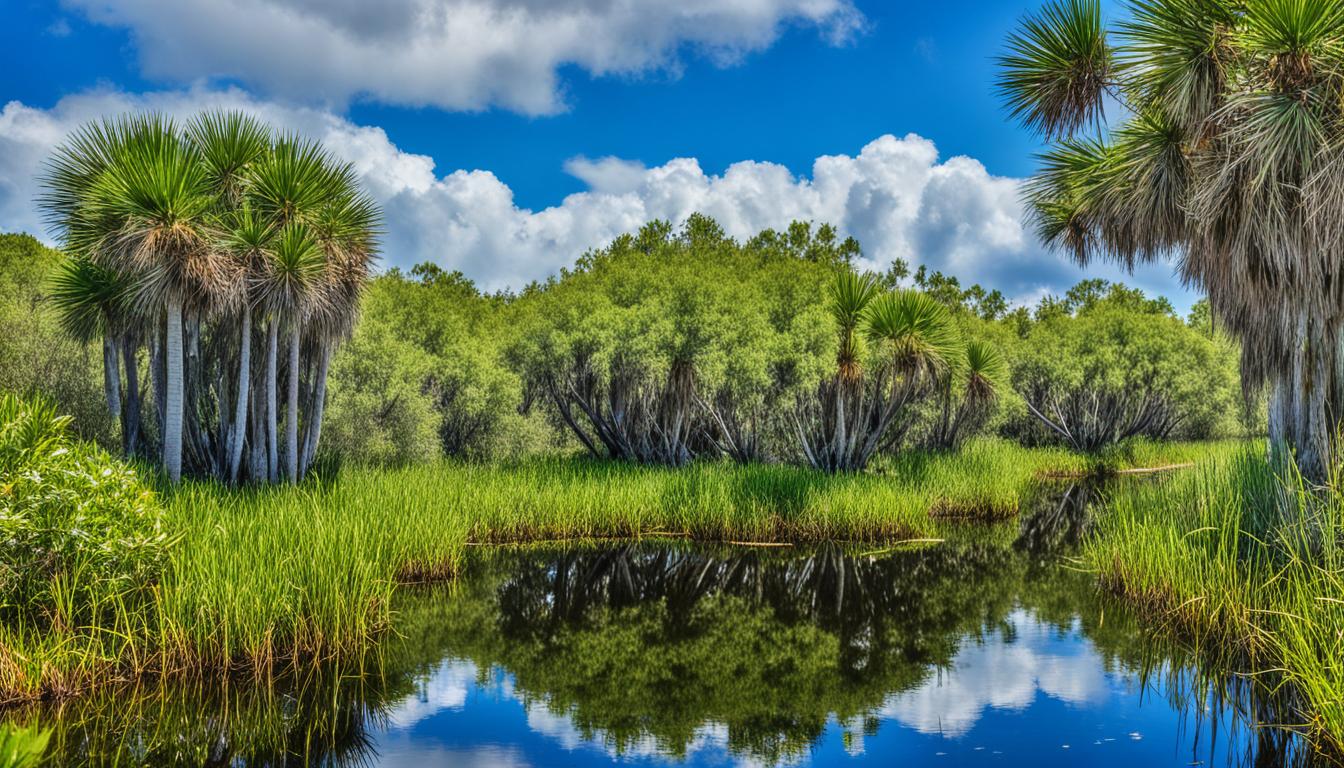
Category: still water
<point>987,649</point>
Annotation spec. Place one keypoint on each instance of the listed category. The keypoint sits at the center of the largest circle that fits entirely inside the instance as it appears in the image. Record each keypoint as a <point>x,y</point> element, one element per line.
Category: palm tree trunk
<point>314,431</point>
<point>172,408</point>
<point>272,422</point>
<point>130,421</point>
<point>244,386</point>
<point>292,410</point>
<point>112,375</point>
<point>159,380</point>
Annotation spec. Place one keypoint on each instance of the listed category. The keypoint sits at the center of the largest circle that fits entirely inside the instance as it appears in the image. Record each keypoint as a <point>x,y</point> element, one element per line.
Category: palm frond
<point>917,329</point>
<point>1057,69</point>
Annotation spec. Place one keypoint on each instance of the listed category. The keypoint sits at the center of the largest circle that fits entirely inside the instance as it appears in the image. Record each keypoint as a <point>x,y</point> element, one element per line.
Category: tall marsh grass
<point>1246,566</point>
<point>263,578</point>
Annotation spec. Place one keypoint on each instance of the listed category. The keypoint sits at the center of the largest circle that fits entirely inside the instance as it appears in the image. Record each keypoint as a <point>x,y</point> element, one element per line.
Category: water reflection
<point>979,649</point>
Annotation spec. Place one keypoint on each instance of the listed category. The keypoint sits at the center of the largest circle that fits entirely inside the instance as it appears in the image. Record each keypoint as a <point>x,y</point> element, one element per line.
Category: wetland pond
<point>986,649</point>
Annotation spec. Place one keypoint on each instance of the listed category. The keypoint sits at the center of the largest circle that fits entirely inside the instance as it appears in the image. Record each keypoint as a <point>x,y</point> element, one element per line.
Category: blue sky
<point>476,134</point>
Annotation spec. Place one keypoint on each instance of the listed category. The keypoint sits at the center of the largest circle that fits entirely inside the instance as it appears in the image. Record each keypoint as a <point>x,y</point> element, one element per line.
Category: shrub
<point>80,532</point>
<point>36,356</point>
<point>1122,367</point>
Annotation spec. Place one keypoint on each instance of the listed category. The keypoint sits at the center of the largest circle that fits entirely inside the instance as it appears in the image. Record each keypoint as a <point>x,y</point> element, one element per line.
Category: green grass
<point>261,578</point>
<point>1247,569</point>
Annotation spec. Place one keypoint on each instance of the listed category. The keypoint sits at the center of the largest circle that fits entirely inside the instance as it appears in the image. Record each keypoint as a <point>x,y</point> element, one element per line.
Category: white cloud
<point>455,54</point>
<point>895,195</point>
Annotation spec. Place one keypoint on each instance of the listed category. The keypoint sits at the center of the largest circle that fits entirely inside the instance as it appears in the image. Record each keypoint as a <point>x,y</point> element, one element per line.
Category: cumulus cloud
<point>454,54</point>
<point>896,195</point>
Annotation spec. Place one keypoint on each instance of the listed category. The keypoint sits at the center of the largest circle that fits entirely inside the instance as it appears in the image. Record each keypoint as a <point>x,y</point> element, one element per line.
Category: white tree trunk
<point>319,404</point>
<point>292,410</point>
<point>272,422</point>
<point>172,404</point>
<point>244,386</point>
<point>130,423</point>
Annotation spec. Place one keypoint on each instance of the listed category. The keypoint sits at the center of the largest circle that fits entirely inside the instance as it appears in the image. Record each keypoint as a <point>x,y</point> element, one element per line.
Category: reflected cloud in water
<point>1003,675</point>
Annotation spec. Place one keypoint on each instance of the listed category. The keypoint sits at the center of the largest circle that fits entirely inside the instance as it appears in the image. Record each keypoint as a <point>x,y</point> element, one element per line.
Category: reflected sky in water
<point>1031,694</point>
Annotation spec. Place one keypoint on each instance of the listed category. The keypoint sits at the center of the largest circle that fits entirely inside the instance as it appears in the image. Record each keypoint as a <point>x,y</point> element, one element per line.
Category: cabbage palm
<point>318,267</point>
<point>229,144</point>
<point>91,302</point>
<point>968,396</point>
<point>346,229</point>
<point>204,230</point>
<point>912,341</point>
<point>150,211</point>
<point>90,298</point>
<point>1230,156</point>
<point>248,239</point>
<point>289,290</point>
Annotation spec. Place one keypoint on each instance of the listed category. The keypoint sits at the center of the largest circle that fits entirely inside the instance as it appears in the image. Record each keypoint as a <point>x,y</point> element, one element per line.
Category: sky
<point>504,138</point>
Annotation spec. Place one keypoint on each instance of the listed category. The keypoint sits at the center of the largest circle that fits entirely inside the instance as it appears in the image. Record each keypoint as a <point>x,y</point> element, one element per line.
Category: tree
<point>867,404</point>
<point>966,399</point>
<point>1112,370</point>
<point>181,238</point>
<point>1229,154</point>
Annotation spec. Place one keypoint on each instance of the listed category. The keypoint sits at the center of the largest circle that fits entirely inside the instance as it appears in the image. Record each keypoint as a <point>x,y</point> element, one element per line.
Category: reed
<point>1245,564</point>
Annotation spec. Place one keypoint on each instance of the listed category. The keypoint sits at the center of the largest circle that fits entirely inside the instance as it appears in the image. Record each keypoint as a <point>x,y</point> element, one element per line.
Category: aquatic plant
<point>1245,563</point>
<point>22,747</point>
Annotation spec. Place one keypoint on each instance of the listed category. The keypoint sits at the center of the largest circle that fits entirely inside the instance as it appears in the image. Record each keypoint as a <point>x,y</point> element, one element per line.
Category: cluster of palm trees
<point>234,258</point>
<point>916,351</point>
<point>1230,157</point>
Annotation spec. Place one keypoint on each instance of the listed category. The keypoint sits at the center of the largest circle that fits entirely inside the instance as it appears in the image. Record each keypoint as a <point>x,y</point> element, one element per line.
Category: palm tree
<point>199,232</point>
<point>248,240</point>
<point>288,291</point>
<point>967,397</point>
<point>921,343</point>
<point>1229,155</point>
<point>229,144</point>
<point>346,228</point>
<point>913,340</point>
<point>133,197</point>
<point>90,300</point>
<point>290,186</point>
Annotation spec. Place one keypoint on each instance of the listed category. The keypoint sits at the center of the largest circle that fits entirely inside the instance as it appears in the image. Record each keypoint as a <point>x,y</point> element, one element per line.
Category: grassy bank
<point>261,577</point>
<point>1250,574</point>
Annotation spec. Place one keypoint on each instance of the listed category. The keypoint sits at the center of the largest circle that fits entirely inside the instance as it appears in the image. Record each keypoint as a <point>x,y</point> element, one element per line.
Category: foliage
<point>22,747</point>
<point>1096,369</point>
<point>665,346</point>
<point>1226,152</point>
<point>266,578</point>
<point>36,356</point>
<point>458,335</point>
<point>380,413</point>
<point>1242,559</point>
<point>184,238</point>
<point>82,536</point>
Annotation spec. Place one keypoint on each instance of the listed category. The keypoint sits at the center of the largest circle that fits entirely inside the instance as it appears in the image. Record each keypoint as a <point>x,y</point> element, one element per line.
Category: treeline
<point>671,345</point>
<point>675,344</point>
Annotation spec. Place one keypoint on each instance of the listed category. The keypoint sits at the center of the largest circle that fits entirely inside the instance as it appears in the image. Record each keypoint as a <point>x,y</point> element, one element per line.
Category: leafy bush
<point>380,413</point>
<point>36,356</point>
<point>79,530</point>
<point>22,747</point>
<point>1120,366</point>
